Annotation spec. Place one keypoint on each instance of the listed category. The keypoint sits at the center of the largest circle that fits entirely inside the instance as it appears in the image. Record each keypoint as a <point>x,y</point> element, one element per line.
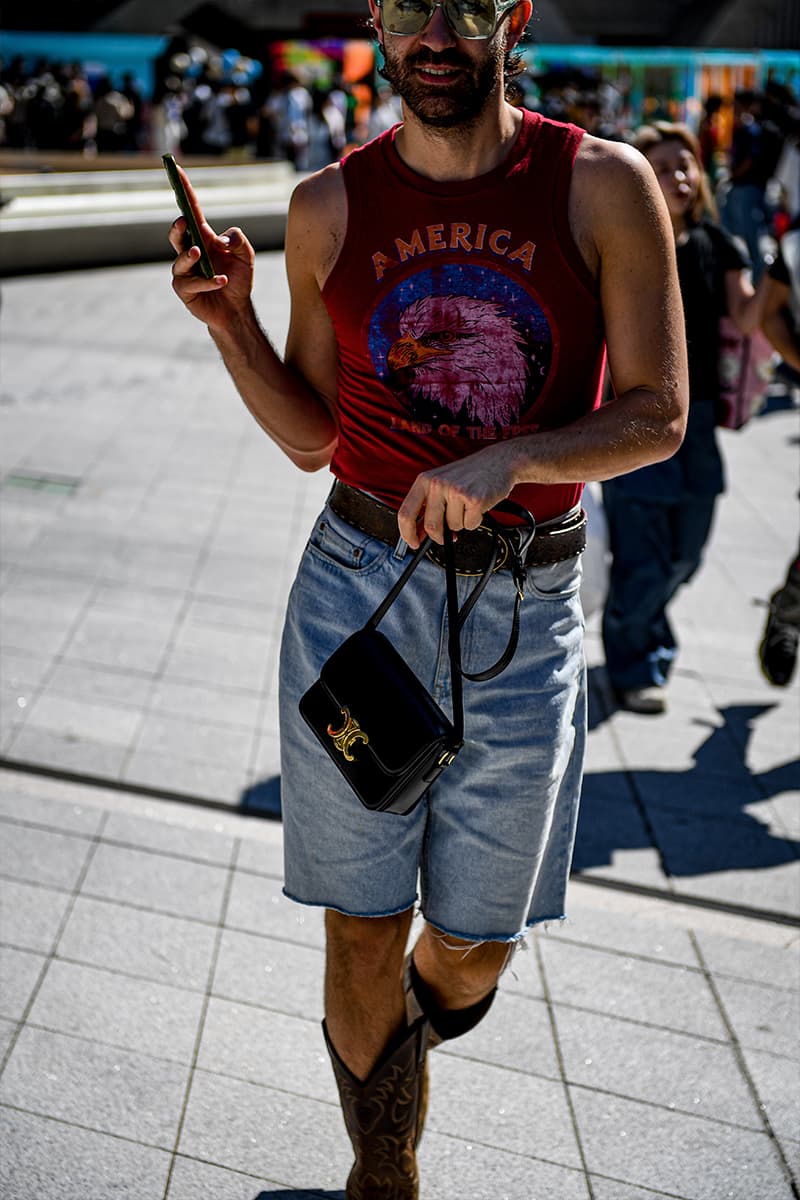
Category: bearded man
<point>455,286</point>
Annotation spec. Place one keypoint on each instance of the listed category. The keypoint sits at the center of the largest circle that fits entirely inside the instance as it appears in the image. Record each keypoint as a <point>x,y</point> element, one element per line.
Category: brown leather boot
<point>382,1116</point>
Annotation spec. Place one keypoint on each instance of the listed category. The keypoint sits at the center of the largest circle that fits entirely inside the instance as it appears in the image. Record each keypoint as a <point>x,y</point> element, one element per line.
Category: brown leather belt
<point>552,543</point>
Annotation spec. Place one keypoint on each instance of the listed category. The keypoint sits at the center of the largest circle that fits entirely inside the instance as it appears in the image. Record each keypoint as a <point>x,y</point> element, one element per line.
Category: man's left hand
<point>460,493</point>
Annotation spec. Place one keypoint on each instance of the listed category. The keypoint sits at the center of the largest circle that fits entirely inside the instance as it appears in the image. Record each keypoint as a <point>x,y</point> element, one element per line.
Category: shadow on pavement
<point>696,818</point>
<point>299,1194</point>
<point>263,799</point>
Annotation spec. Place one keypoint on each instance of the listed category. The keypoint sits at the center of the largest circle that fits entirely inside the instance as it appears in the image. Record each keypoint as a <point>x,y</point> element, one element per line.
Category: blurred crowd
<point>222,105</point>
<point>200,105</point>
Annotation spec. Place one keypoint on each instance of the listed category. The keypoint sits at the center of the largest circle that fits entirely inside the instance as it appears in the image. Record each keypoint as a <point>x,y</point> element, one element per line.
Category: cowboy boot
<point>382,1118</point>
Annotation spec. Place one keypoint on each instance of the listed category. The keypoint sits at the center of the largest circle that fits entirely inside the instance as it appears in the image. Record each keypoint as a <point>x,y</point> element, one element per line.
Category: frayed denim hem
<point>494,937</point>
<point>391,912</point>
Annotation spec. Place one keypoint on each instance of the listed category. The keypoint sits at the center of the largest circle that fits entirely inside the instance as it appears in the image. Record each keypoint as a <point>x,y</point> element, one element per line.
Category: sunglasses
<point>475,19</point>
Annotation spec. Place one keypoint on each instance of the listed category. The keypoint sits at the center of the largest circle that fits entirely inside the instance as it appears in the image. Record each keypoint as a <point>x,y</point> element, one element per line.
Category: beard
<point>461,102</point>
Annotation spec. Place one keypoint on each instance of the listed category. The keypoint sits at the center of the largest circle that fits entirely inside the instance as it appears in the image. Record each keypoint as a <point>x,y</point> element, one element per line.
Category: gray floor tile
<point>74,717</point>
<point>48,749</point>
<point>748,959</point>
<point>185,776</point>
<point>195,664</point>
<point>516,1034</point>
<point>612,1189</point>
<point>30,916</point>
<point>674,1153</point>
<point>482,1103</point>
<point>170,836</point>
<point>270,1134</point>
<point>7,1030</point>
<point>274,974</point>
<point>156,881</point>
<point>777,886</point>
<point>148,1017</point>
<point>60,1162</point>
<point>201,703</point>
<point>265,858</point>
<point>97,644</point>
<point>594,923</point>
<point>166,949</point>
<point>195,739</point>
<point>763,1018</point>
<point>106,1089</point>
<point>619,985</point>
<point>42,856</point>
<point>522,976</point>
<point>266,1047</point>
<point>191,1179</point>
<point>42,638</point>
<point>19,971</point>
<point>450,1167</point>
<point>257,905</point>
<point>777,1081</point>
<point>690,1074</point>
<point>21,803</point>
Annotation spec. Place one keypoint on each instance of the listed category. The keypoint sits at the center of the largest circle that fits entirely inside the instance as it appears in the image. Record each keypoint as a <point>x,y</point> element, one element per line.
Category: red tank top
<point>463,312</point>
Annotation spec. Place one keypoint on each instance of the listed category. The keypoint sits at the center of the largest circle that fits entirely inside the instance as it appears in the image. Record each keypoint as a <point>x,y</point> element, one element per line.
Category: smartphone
<point>192,229</point>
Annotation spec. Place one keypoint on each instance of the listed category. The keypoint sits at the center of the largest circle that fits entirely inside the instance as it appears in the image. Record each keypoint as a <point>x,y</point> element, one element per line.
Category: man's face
<point>444,80</point>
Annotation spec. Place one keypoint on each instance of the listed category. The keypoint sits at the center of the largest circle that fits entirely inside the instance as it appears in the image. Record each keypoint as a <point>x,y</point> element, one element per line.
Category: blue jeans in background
<point>656,547</point>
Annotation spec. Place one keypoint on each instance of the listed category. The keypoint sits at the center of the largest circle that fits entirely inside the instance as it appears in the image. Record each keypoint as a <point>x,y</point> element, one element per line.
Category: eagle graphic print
<point>462,348</point>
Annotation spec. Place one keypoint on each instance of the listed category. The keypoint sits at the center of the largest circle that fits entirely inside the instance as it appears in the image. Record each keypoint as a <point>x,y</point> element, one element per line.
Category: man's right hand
<point>215,301</point>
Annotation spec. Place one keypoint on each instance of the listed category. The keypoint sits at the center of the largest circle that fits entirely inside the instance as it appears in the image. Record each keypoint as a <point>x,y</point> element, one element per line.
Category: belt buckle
<point>503,548</point>
<point>435,553</point>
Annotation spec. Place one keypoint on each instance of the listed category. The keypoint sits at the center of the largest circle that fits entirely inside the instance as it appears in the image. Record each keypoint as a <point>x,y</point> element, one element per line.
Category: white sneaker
<point>649,701</point>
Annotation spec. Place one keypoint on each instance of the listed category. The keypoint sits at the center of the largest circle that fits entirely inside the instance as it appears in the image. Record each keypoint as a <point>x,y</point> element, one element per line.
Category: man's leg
<point>378,1059</point>
<point>364,1009</point>
<point>452,982</point>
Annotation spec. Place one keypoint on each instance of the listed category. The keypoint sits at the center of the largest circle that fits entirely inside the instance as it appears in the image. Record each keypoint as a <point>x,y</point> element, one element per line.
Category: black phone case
<point>204,262</point>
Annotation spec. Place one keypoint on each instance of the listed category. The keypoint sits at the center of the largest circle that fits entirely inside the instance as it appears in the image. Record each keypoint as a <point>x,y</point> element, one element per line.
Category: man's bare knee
<point>367,944</point>
<point>452,965</point>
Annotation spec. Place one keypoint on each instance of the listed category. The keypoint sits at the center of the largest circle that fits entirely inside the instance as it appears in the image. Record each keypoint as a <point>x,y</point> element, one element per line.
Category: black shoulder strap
<point>457,617</point>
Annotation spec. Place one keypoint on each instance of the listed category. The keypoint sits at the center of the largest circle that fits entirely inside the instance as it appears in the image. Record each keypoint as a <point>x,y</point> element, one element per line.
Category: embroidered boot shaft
<point>383,1118</point>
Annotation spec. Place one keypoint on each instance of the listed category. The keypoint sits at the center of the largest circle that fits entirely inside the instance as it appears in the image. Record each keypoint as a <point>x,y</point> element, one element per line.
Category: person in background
<point>659,518</point>
<point>755,152</point>
<point>777,651</point>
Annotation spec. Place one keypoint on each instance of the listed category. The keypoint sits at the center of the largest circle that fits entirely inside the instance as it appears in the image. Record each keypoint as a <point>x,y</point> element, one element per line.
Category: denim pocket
<point>335,543</point>
<point>557,580</point>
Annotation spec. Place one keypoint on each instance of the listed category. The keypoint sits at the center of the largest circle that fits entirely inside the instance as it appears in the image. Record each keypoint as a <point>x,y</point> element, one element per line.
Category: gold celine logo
<point>345,738</point>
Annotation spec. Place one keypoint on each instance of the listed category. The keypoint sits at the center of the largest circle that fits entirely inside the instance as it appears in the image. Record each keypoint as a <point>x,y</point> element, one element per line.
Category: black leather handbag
<point>377,722</point>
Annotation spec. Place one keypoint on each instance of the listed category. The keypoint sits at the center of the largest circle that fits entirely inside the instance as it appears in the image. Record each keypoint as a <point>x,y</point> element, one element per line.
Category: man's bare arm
<point>623,229</point>
<point>294,399</point>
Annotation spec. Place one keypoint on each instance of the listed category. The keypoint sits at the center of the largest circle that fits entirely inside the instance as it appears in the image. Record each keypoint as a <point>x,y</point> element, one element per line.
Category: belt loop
<point>401,549</point>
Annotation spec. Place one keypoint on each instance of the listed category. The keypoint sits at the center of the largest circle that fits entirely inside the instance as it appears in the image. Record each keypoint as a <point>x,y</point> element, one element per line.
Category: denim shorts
<point>487,852</point>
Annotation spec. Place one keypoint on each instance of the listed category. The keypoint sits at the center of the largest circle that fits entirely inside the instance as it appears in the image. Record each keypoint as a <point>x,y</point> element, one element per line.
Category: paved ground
<point>159,1000</point>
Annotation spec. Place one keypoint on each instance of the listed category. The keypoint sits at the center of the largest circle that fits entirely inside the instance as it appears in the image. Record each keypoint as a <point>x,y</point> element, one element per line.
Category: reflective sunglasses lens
<point>467,18</point>
<point>471,18</point>
<point>405,16</point>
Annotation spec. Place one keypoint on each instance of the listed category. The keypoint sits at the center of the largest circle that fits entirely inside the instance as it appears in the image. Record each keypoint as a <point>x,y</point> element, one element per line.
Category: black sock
<point>448,1023</point>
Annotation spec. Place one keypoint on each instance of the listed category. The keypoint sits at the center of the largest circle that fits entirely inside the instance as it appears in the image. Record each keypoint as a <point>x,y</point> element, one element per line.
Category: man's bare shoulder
<point>614,195</point>
<point>318,220</point>
<point>612,178</point>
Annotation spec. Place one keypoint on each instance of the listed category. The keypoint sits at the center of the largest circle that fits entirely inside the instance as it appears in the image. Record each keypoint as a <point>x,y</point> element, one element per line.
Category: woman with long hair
<point>659,517</point>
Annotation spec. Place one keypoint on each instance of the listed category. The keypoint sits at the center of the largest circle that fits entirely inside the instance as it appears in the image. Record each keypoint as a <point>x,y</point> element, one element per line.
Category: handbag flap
<point>384,700</point>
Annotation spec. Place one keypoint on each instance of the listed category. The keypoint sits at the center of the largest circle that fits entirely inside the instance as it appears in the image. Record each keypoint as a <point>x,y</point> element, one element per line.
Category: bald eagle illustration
<point>461,359</point>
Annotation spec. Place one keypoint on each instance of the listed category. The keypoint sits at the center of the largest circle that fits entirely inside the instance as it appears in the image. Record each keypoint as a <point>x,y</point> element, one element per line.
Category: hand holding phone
<point>192,228</point>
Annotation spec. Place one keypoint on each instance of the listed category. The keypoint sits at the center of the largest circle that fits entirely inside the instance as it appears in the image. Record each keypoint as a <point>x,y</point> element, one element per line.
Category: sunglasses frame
<point>501,7</point>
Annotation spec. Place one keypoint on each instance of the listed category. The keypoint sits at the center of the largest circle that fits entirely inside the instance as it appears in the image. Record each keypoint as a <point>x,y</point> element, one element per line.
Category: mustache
<point>442,58</point>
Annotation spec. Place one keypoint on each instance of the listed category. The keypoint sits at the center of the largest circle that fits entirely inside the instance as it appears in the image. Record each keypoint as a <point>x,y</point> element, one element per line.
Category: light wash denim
<point>487,852</point>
